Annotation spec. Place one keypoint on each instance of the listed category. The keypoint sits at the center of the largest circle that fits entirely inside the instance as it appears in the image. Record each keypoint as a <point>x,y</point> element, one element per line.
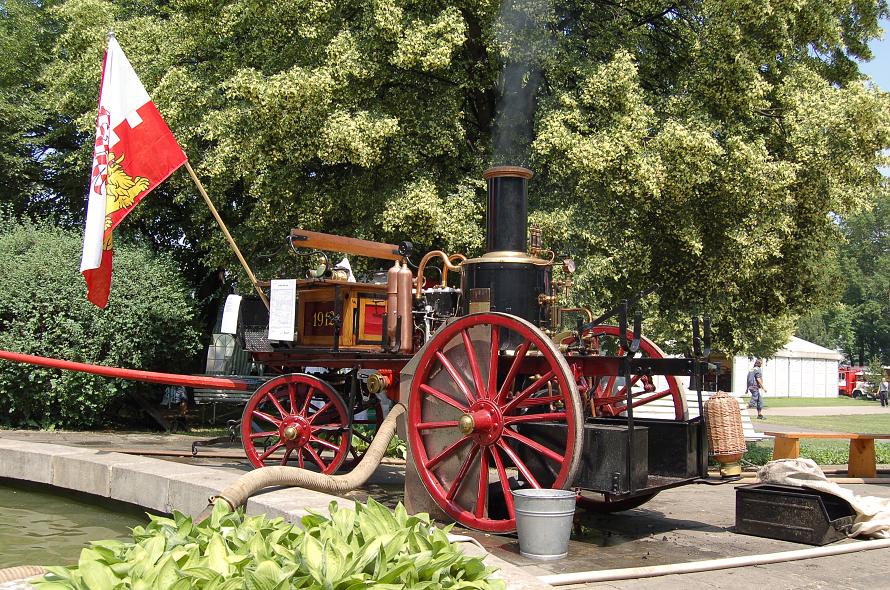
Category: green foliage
<point>370,547</point>
<point>709,147</point>
<point>823,452</point>
<point>148,324</point>
<point>396,448</point>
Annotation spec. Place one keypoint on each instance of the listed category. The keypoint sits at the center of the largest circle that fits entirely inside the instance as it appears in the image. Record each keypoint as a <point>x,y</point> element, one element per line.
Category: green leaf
<point>267,576</point>
<point>216,554</point>
<point>97,576</point>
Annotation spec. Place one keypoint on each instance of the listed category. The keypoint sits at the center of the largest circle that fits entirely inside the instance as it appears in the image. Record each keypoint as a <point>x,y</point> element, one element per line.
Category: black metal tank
<point>506,279</point>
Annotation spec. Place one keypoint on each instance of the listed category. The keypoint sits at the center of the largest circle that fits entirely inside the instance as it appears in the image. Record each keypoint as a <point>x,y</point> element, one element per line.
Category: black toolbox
<point>790,513</point>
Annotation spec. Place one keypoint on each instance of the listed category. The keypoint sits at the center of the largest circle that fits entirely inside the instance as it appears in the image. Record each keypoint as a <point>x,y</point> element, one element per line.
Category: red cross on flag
<point>133,153</point>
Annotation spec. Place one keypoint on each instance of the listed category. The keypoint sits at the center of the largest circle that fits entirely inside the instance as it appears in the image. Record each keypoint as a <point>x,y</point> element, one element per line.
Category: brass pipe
<point>447,266</point>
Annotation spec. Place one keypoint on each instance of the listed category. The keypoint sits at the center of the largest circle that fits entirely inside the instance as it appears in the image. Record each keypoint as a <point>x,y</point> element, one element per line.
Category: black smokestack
<point>507,219</point>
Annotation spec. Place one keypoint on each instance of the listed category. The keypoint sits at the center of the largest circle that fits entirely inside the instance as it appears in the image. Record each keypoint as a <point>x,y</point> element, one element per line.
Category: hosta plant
<point>370,547</point>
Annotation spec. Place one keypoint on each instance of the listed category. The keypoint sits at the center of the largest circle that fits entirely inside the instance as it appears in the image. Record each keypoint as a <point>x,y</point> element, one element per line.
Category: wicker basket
<point>726,436</point>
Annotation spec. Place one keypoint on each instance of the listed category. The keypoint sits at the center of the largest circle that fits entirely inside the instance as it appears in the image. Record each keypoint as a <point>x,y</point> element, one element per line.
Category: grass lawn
<point>862,423</point>
<point>796,402</point>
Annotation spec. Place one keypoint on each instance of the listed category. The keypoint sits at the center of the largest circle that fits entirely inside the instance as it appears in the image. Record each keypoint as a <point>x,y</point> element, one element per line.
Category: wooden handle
<point>319,241</point>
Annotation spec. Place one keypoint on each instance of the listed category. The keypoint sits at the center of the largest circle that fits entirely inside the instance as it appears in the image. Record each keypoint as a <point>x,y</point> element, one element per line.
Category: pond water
<point>46,526</point>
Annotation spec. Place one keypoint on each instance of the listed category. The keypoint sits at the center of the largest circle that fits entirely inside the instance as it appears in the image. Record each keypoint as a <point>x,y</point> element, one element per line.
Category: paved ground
<point>690,523</point>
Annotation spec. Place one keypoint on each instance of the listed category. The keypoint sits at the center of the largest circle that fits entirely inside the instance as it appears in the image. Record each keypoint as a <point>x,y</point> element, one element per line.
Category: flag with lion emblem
<point>133,153</point>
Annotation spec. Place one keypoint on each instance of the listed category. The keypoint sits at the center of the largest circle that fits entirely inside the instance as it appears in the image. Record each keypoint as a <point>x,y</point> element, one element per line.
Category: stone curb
<point>163,485</point>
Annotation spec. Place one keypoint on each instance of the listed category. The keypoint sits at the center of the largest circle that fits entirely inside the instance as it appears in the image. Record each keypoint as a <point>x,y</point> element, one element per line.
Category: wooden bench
<point>862,449</point>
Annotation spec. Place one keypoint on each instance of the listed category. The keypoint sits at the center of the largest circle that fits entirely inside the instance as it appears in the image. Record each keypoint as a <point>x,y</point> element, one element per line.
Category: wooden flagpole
<point>225,230</point>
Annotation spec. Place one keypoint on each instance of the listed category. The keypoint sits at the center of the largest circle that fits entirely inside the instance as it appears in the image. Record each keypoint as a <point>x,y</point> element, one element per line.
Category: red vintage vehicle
<point>500,394</point>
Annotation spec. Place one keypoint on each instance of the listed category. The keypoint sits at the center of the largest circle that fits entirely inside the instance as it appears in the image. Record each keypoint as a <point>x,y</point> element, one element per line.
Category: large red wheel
<point>606,395</point>
<point>296,420</point>
<point>478,382</point>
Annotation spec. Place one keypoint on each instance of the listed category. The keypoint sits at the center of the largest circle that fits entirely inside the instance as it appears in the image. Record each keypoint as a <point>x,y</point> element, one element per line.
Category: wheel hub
<point>484,422</point>
<point>295,431</point>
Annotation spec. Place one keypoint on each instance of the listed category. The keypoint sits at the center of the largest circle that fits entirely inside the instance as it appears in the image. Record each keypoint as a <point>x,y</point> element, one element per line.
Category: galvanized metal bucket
<point>544,522</point>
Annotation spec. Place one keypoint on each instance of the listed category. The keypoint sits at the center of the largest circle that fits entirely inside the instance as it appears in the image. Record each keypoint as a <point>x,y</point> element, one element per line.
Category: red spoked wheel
<point>296,420</point>
<point>479,382</point>
<point>606,395</point>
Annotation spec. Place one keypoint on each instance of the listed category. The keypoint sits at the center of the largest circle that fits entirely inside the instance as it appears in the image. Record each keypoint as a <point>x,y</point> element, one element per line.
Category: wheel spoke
<point>545,417</point>
<point>300,459</point>
<point>315,457</point>
<point>323,409</point>
<point>306,401</point>
<point>462,472</point>
<point>287,455</point>
<point>520,465</point>
<point>292,397</point>
<point>547,452</point>
<point>442,397</point>
<point>507,385</point>
<point>505,482</point>
<point>474,364</point>
<point>264,434</point>
<point>534,387</point>
<point>608,388</point>
<point>483,485</point>
<point>271,450</point>
<point>491,390</point>
<point>324,443</point>
<point>455,376</point>
<point>266,417</point>
<point>434,425</point>
<point>271,395</point>
<point>449,450</point>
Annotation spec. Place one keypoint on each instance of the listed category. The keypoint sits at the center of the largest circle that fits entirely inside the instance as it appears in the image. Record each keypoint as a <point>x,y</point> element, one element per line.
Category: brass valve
<point>378,383</point>
<point>544,299</point>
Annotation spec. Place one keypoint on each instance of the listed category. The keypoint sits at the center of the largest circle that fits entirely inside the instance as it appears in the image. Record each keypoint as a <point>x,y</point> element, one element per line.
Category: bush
<point>368,548</point>
<point>148,324</point>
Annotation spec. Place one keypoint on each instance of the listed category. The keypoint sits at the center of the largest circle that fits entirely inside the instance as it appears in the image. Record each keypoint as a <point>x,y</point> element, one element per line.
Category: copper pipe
<point>406,336</point>
<point>447,266</point>
<point>392,304</point>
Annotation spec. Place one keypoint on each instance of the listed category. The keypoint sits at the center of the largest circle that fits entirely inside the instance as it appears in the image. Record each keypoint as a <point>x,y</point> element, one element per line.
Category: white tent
<point>799,369</point>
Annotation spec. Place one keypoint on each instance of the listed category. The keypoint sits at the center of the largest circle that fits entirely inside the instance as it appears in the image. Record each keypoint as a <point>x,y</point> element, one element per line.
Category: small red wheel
<point>607,395</point>
<point>478,381</point>
<point>296,420</point>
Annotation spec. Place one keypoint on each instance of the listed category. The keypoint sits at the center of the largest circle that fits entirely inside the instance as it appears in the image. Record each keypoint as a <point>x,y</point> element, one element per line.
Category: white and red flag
<point>134,152</point>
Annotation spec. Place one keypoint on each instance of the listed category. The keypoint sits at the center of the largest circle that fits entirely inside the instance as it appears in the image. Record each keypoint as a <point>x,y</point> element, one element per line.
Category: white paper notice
<point>230,315</point>
<point>282,309</point>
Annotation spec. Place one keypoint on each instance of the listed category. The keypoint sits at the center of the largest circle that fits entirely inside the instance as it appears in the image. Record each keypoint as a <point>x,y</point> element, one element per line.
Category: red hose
<point>131,374</point>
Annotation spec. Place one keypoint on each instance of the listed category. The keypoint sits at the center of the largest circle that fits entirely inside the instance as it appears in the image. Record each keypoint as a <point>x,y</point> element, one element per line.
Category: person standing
<point>756,388</point>
<point>882,391</point>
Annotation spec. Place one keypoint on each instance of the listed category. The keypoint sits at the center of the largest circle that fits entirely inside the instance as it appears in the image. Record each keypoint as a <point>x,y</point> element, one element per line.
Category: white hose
<point>631,573</point>
<point>237,493</point>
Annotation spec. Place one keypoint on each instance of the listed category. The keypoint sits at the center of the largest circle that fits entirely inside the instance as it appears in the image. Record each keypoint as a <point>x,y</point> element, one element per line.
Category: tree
<point>865,261</point>
<point>708,147</point>
<point>148,324</point>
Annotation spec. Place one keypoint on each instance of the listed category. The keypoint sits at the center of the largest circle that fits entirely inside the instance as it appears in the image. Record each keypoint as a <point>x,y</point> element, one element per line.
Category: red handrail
<point>131,374</point>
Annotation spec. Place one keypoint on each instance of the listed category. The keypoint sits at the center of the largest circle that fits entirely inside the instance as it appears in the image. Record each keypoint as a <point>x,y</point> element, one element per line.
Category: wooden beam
<point>302,238</point>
